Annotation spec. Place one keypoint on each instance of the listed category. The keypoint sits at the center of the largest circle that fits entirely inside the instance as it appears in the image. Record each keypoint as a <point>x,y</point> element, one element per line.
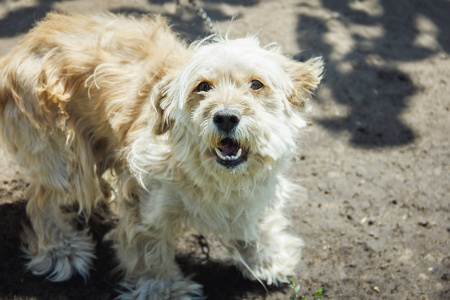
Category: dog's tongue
<point>228,147</point>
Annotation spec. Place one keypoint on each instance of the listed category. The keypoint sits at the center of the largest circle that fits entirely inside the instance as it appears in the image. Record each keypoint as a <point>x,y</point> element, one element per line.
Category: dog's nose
<point>226,119</point>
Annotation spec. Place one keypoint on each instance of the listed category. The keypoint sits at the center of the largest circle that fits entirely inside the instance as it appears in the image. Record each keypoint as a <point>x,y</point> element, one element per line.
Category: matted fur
<point>85,98</point>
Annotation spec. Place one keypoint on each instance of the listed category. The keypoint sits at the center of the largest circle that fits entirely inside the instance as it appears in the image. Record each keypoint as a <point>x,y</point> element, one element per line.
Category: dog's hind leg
<point>54,245</point>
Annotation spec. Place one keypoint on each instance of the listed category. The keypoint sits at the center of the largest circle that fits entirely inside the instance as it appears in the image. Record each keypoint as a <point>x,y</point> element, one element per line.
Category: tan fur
<point>88,103</point>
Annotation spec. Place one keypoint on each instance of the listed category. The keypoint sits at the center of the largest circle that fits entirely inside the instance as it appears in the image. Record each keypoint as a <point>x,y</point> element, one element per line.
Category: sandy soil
<point>375,165</point>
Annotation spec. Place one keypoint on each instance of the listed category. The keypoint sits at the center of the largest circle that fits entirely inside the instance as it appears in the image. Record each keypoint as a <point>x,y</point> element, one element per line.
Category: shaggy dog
<point>111,107</point>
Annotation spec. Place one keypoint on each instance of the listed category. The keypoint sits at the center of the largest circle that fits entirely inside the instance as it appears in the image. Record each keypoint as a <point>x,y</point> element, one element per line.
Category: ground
<point>375,164</point>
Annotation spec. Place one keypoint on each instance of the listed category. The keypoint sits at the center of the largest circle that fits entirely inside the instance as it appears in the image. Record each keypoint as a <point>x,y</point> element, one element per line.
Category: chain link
<point>202,14</point>
<point>203,246</point>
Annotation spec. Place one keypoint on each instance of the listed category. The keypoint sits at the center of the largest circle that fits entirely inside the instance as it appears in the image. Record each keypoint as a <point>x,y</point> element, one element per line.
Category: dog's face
<point>236,107</point>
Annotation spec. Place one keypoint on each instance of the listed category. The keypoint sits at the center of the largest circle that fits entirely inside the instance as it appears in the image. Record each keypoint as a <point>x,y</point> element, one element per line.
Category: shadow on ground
<point>221,280</point>
<point>21,20</point>
<point>376,92</point>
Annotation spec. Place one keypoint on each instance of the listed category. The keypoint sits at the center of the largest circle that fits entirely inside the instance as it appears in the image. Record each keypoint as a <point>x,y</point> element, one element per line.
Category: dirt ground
<point>375,165</point>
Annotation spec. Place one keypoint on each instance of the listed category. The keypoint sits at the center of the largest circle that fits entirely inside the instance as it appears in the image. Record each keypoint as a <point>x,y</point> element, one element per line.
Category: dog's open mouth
<point>229,153</point>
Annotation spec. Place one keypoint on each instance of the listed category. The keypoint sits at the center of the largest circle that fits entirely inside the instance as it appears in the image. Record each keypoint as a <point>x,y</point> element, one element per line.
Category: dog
<point>104,107</point>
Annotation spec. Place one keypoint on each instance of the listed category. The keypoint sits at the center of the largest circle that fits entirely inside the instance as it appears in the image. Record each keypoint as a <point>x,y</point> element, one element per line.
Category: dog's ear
<point>306,77</point>
<point>163,104</point>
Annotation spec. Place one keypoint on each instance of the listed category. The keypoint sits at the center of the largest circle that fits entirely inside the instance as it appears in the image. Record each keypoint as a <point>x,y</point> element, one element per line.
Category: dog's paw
<point>272,263</point>
<point>273,274</point>
<point>177,288</point>
<point>72,253</point>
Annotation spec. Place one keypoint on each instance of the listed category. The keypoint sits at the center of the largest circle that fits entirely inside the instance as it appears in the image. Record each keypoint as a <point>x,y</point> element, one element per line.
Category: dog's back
<point>67,60</point>
<point>80,83</point>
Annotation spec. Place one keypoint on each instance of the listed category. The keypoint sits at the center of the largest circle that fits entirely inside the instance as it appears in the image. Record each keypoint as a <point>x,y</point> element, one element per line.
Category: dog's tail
<point>10,94</point>
<point>19,93</point>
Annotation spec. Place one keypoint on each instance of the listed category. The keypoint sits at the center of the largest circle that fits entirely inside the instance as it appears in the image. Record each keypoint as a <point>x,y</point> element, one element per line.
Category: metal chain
<point>203,246</point>
<point>202,14</point>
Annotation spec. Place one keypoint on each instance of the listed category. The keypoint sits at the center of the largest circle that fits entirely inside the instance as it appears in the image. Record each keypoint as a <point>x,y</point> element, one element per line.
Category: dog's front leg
<point>272,257</point>
<point>145,245</point>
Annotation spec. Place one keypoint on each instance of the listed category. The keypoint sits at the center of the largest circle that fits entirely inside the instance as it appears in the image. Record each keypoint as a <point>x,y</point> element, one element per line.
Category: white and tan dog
<point>190,137</point>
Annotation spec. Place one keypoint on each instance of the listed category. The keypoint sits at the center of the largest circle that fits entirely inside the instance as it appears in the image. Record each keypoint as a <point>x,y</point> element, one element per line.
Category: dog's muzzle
<point>229,153</point>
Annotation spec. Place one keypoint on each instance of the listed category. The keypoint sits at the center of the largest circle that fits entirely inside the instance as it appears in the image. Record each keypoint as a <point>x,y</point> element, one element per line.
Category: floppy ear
<point>164,105</point>
<point>306,77</point>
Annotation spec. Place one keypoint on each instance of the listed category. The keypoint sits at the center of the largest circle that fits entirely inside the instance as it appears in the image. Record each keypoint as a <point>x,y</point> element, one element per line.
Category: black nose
<point>226,120</point>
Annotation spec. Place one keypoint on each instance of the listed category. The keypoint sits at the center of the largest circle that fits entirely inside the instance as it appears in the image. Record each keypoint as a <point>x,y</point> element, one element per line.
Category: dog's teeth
<point>239,153</point>
<point>228,157</point>
<point>220,154</point>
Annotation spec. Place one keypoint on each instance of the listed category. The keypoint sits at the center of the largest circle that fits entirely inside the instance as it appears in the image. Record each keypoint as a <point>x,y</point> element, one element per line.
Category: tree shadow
<point>220,280</point>
<point>376,94</point>
<point>21,20</point>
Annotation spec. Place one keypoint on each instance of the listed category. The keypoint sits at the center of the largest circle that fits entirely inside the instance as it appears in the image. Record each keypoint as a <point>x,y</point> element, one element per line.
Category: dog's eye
<point>256,85</point>
<point>203,87</point>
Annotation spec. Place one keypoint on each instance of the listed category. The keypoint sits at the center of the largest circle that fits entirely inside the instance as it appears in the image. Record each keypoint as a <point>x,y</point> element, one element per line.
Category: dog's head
<point>235,107</point>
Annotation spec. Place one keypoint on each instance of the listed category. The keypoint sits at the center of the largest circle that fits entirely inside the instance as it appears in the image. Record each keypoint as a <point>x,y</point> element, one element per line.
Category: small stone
<point>333,174</point>
<point>376,289</point>
<point>425,224</point>
<point>371,234</point>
